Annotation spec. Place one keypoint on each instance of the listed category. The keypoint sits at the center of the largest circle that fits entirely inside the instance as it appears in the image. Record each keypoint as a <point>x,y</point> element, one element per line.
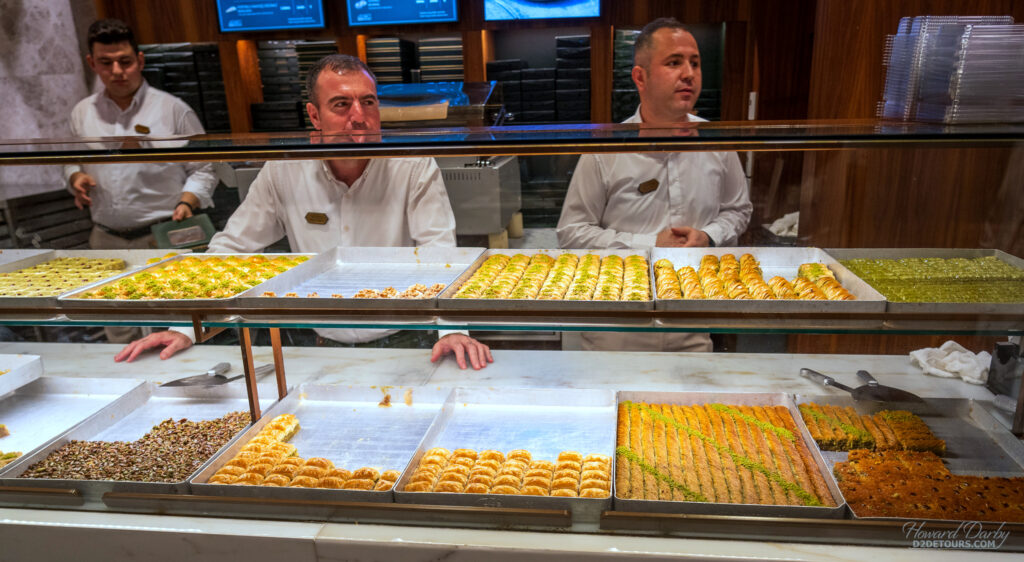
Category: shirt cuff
<point>205,200</point>
<point>190,333</point>
<point>644,241</point>
<point>70,170</point>
<point>443,333</point>
<point>716,233</point>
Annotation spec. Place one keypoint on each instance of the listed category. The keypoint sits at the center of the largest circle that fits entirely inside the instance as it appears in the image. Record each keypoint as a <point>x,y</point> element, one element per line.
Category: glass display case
<point>866,191</point>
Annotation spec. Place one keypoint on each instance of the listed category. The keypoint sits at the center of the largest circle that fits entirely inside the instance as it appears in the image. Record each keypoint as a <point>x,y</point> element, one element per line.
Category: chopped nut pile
<point>170,452</point>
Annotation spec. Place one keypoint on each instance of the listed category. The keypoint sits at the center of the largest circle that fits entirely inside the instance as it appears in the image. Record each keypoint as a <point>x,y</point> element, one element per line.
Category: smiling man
<point>322,204</point>
<point>691,199</point>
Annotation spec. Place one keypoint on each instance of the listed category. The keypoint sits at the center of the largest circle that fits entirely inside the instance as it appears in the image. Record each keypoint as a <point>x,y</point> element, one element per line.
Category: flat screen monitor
<point>253,15</point>
<point>389,12</point>
<point>495,10</point>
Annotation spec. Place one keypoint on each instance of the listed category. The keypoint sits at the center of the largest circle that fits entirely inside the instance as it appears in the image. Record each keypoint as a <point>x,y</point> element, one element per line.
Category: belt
<point>129,234</point>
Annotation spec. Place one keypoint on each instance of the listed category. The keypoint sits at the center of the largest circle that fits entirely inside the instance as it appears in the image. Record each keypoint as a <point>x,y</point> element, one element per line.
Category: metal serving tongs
<point>215,376</point>
<point>871,390</point>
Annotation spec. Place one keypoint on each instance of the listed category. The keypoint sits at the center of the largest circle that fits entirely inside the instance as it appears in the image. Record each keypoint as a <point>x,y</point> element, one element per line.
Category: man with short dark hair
<point>369,202</point>
<point>689,199</point>
<point>126,199</point>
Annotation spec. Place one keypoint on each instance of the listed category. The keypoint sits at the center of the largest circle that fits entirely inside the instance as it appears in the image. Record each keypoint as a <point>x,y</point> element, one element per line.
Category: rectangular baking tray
<point>40,411</point>
<point>135,260</point>
<point>447,299</point>
<point>730,509</point>
<point>976,443</point>
<point>76,298</point>
<point>7,256</point>
<point>129,418</point>
<point>346,425</point>
<point>22,369</point>
<point>545,422</point>
<point>937,308</point>
<point>774,261</point>
<point>349,270</point>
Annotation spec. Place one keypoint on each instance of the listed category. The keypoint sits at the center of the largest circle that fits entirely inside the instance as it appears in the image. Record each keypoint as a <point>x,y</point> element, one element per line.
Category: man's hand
<point>81,183</point>
<point>182,212</point>
<point>670,238</point>
<point>173,342</point>
<point>462,346</point>
<point>693,238</point>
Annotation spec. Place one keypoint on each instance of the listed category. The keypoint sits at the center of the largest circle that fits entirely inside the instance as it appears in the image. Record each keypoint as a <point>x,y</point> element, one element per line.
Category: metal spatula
<point>870,391</point>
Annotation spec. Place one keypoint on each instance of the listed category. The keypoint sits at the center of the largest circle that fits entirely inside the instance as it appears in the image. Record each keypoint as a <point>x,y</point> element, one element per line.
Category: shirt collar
<point>137,99</point>
<point>636,118</point>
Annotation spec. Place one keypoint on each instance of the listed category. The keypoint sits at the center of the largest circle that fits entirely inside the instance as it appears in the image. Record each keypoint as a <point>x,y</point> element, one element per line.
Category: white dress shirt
<point>395,202</point>
<point>605,209</point>
<point>130,196</point>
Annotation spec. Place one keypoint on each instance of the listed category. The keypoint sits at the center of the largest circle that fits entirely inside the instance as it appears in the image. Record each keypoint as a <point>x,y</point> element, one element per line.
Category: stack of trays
<point>191,72</point>
<point>538,87</point>
<point>625,99</point>
<point>282,89</point>
<point>391,59</point>
<point>309,53</point>
<point>572,93</point>
<point>441,59</point>
<point>509,76</point>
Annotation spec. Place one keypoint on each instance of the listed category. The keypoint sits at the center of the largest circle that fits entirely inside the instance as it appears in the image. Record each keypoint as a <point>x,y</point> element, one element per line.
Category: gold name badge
<point>648,186</point>
<point>142,129</point>
<point>316,218</point>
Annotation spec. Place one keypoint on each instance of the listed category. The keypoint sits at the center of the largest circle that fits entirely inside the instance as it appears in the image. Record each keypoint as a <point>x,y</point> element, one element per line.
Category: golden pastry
<point>366,473</point>
<point>263,440</point>
<point>312,472</point>
<point>285,470</point>
<point>319,462</point>
<point>504,490</point>
<point>568,464</point>
<point>594,466</point>
<point>463,461</point>
<point>491,454</point>
<point>419,486</point>
<point>599,484</point>
<point>241,462</point>
<point>603,459</point>
<point>453,477</point>
<point>383,485</point>
<point>484,470</point>
<point>512,470</point>
<point>566,473</point>
<point>564,493</point>
<point>435,460</point>
<point>222,479</point>
<point>270,458</point>
<point>542,465</point>
<point>359,484</point>
<point>248,479</point>
<point>517,463</point>
<point>537,481</point>
<point>449,487</point>
<point>481,479</point>
<point>339,473</point>
<point>535,491</point>
<point>439,451</point>
<point>464,453</point>
<point>493,464</point>
<point>476,489</point>
<point>331,482</point>
<point>565,484</point>
<point>507,480</point>
<point>231,470</point>
<point>304,482</point>
<point>390,475</point>
<point>539,473</point>
<point>521,454</point>
<point>423,477</point>
<point>293,461</point>
<point>457,469</point>
<point>277,480</point>
<point>262,468</point>
<point>594,493</point>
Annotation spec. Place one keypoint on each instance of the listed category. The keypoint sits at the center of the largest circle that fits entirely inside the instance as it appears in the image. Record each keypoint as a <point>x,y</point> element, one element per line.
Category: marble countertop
<point>153,537</point>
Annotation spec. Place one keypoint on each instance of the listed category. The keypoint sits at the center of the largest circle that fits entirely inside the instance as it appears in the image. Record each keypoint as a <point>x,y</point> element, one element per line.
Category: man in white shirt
<point>689,199</point>
<point>126,199</point>
<point>320,204</point>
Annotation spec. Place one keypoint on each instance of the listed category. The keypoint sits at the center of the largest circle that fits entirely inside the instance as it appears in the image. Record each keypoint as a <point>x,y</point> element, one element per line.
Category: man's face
<point>667,76</point>
<point>118,66</point>
<point>346,102</point>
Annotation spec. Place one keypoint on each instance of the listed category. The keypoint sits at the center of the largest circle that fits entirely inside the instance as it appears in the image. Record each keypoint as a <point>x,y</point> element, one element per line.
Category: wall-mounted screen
<point>258,15</point>
<point>389,12</point>
<point>495,10</point>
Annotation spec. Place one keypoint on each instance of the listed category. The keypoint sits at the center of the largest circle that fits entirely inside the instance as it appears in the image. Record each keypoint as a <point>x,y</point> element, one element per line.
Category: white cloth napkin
<point>786,226</point>
<point>953,360</point>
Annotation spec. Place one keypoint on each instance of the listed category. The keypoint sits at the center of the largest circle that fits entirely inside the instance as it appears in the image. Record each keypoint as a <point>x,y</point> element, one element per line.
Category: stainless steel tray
<point>976,443</point>
<point>447,299</point>
<point>349,270</point>
<point>736,398</point>
<point>129,418</point>
<point>7,256</point>
<point>76,299</point>
<point>346,425</point>
<point>937,308</point>
<point>135,260</point>
<point>774,261</point>
<point>22,369</point>
<point>542,421</point>
<point>41,410</point>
